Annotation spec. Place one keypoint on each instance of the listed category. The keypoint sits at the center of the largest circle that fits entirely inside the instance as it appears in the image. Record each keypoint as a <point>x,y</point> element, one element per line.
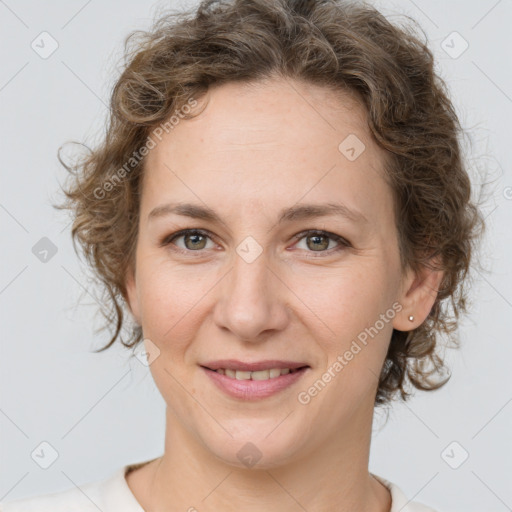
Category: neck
<point>331,476</point>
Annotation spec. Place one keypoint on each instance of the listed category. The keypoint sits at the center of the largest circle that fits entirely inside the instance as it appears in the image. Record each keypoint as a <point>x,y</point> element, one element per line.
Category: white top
<point>114,495</point>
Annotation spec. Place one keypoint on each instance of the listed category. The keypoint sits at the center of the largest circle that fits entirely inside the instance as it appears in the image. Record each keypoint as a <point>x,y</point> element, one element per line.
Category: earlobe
<point>419,293</point>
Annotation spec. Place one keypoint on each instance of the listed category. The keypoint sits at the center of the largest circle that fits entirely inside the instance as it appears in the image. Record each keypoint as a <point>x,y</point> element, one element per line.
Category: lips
<point>273,373</point>
<point>255,380</point>
<point>235,365</point>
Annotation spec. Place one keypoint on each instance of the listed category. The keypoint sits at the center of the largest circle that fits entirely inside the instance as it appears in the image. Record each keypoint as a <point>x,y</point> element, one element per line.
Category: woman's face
<point>254,286</point>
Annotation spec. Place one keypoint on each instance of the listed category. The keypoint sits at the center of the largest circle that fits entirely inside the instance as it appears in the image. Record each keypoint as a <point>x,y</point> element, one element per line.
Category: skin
<point>254,150</point>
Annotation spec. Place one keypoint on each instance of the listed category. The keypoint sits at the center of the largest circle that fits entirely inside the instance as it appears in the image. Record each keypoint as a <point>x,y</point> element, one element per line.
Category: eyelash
<point>343,244</point>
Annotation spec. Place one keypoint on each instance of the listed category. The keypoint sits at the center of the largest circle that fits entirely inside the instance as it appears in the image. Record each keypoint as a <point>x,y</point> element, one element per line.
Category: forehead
<point>263,144</point>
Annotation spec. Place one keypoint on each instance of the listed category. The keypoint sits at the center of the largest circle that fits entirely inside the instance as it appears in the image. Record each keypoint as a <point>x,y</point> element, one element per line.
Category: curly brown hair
<point>332,43</point>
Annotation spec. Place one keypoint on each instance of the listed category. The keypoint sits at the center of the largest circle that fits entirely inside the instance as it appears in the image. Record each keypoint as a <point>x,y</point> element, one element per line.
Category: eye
<point>193,239</point>
<point>319,241</point>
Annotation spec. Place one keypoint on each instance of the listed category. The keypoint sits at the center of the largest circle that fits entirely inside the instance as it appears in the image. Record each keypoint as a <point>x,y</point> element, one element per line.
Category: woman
<point>281,203</point>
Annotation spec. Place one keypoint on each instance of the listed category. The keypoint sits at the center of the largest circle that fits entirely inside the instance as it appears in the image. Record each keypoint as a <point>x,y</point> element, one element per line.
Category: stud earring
<point>411,318</point>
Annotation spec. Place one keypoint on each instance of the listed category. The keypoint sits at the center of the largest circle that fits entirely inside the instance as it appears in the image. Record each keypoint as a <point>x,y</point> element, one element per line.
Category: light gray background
<point>101,411</point>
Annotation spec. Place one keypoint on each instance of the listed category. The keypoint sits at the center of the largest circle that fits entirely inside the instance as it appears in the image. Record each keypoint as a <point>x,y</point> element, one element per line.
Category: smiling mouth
<point>269,374</point>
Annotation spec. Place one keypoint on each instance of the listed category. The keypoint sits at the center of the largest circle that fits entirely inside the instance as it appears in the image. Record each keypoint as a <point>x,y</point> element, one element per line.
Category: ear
<point>132,296</point>
<point>418,294</point>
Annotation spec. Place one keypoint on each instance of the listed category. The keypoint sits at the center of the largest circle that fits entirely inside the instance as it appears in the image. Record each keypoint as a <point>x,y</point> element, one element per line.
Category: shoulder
<point>106,495</point>
<point>70,499</point>
<point>399,501</point>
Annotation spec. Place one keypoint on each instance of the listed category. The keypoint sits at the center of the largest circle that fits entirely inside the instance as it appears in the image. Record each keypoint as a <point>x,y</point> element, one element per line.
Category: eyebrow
<point>297,212</point>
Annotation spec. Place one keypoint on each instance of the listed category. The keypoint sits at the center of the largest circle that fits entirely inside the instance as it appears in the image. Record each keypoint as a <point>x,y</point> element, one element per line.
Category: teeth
<point>259,375</point>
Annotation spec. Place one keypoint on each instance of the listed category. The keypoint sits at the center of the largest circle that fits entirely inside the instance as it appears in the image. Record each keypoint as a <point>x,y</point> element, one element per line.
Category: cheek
<point>169,300</point>
<point>345,300</point>
<point>356,341</point>
<point>350,329</point>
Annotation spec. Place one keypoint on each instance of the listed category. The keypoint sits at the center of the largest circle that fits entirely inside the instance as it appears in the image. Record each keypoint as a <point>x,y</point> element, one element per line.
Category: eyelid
<point>342,242</point>
<point>182,232</point>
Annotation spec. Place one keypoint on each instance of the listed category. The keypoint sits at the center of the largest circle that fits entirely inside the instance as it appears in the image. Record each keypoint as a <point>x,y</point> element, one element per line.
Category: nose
<point>252,301</point>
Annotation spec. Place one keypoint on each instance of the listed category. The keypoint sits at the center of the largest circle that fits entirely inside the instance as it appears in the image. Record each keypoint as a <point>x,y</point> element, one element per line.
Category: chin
<point>255,445</point>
